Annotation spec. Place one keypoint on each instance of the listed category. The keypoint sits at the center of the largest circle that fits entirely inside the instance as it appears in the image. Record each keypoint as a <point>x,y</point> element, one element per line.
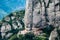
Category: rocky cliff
<point>41,16</point>
<point>40,13</point>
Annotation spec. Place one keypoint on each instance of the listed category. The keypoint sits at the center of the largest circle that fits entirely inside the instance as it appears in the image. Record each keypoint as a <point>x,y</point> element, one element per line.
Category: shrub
<point>21,37</point>
<point>48,29</point>
<point>40,38</point>
<point>14,37</point>
<point>29,36</point>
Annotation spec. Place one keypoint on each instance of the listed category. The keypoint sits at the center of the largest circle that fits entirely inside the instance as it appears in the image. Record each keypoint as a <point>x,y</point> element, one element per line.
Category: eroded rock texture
<point>40,13</point>
<point>11,24</point>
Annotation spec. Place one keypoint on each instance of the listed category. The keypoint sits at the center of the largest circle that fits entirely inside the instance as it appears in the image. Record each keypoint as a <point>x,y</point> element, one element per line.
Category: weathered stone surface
<point>5,28</point>
<point>53,35</point>
<point>11,24</point>
<point>35,11</point>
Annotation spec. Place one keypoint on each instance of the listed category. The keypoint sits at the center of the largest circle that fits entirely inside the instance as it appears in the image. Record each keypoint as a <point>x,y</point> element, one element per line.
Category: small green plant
<point>14,37</point>
<point>21,37</point>
<point>29,36</point>
<point>42,36</point>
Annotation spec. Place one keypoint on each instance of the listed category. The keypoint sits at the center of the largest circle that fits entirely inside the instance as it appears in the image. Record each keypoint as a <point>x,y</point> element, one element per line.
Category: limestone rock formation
<point>11,24</point>
<point>40,12</point>
<point>54,35</point>
<point>4,28</point>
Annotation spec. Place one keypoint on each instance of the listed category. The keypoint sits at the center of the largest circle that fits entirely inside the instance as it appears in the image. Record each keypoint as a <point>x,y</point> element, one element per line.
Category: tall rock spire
<point>28,14</point>
<point>39,12</point>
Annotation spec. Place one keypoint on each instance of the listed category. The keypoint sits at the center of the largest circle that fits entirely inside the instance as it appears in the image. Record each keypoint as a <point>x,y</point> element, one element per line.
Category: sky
<point>8,6</point>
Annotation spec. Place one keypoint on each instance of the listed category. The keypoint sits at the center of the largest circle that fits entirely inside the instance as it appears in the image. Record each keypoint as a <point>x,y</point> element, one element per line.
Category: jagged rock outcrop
<point>12,24</point>
<point>39,12</point>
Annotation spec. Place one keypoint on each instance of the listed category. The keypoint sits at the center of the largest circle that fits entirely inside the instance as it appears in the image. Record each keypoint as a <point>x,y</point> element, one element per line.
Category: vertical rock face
<point>32,13</point>
<point>42,12</point>
<point>37,11</point>
<point>28,12</point>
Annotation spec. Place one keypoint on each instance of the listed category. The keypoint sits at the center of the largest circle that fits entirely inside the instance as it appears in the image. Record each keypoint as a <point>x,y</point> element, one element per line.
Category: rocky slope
<point>12,24</point>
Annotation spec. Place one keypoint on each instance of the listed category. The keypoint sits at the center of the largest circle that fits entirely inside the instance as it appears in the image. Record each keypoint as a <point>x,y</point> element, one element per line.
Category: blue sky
<point>7,6</point>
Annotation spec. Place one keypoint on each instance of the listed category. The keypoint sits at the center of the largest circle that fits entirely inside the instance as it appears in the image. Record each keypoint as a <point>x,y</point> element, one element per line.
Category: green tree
<point>29,36</point>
